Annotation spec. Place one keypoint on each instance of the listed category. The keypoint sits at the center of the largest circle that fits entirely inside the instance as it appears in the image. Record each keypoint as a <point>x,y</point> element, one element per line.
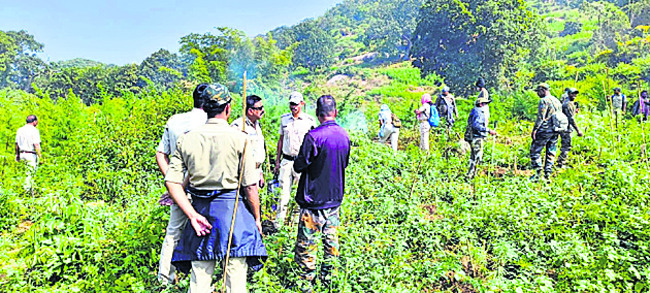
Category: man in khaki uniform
<point>214,156</point>
<point>176,126</point>
<point>254,112</point>
<point>28,148</point>
<point>293,127</point>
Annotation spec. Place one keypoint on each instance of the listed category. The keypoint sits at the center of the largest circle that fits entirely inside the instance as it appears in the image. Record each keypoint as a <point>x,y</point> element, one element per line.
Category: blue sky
<point>123,31</point>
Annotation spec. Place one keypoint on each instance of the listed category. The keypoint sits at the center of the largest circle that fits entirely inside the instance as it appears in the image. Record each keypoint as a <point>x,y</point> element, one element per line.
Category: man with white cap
<point>293,127</point>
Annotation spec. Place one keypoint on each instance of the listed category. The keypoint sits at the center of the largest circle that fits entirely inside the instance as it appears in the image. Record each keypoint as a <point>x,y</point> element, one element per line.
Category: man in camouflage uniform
<point>569,109</point>
<point>543,134</point>
<point>323,157</point>
<point>619,102</point>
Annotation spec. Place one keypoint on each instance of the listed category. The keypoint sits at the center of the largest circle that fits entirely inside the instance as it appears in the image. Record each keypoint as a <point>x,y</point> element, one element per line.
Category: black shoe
<point>268,228</point>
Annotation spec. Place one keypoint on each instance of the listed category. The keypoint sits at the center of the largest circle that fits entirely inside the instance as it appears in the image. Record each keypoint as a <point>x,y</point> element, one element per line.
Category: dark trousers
<point>543,140</point>
<point>565,148</point>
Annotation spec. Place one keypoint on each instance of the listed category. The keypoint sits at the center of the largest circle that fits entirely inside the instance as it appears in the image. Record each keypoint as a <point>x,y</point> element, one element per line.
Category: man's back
<point>323,158</point>
<point>211,154</point>
<point>545,110</point>
<point>26,137</point>
<point>179,124</point>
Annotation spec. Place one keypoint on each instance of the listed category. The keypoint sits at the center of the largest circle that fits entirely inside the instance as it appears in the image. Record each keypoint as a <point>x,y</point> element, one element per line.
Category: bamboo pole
<point>243,98</point>
<point>575,82</point>
<point>239,182</point>
<point>494,142</point>
<point>609,109</point>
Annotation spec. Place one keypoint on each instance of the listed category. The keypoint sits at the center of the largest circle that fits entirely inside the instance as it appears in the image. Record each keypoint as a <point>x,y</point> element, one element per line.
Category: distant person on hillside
<point>619,102</point>
<point>423,113</point>
<point>446,104</point>
<point>293,127</point>
<point>323,157</point>
<point>482,91</point>
<point>387,129</point>
<point>176,126</point>
<point>476,132</point>
<point>544,134</point>
<point>570,109</point>
<point>217,158</point>
<point>28,149</point>
<point>254,112</point>
<point>643,105</point>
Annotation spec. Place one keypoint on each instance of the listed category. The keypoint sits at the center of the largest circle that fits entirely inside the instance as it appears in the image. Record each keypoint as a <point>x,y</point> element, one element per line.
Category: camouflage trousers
<point>543,140</point>
<point>565,148</point>
<point>476,156</point>
<point>311,223</point>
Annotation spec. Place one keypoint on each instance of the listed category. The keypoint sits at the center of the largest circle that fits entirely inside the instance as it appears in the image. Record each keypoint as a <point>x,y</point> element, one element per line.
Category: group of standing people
<point>555,121</point>
<point>444,107</point>
<point>209,166</point>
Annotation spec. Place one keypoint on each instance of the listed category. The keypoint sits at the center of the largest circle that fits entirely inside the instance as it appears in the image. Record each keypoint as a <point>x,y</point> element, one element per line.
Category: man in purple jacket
<point>322,160</point>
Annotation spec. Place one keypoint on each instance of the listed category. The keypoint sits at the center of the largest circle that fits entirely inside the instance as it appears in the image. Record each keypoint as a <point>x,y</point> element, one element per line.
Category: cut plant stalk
<point>239,181</point>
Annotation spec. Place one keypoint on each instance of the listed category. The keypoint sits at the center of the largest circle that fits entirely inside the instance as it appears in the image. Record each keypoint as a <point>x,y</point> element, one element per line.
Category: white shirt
<point>294,130</point>
<point>178,125</point>
<point>26,137</point>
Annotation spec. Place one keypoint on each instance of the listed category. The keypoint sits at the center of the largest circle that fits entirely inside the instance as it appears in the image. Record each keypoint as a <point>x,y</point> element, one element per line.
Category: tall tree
<point>315,47</point>
<point>612,24</point>
<point>464,39</point>
<point>19,64</point>
<point>161,68</point>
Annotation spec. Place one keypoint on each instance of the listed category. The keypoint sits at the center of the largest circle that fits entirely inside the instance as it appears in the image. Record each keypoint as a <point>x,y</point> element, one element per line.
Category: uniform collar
<point>217,121</point>
<point>250,123</point>
<point>301,116</point>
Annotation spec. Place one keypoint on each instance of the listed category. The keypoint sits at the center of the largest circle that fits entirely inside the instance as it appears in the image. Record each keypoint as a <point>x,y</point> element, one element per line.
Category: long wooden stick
<point>243,98</point>
<point>234,212</point>
<point>494,142</point>
<point>609,109</point>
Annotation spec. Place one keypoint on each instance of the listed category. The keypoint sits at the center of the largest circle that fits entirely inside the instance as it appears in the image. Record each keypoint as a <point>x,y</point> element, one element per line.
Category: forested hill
<point>511,43</point>
<point>410,221</point>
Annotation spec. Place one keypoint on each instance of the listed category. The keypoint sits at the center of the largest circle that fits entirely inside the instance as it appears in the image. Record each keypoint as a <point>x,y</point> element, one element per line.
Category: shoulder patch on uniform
<point>285,115</point>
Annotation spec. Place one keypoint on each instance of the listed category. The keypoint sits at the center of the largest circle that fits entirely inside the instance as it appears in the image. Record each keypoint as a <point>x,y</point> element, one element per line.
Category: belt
<point>288,158</point>
<point>29,152</point>
<point>206,193</point>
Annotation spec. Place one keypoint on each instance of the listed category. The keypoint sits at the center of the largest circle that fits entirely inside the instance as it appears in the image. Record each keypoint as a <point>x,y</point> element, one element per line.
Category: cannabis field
<point>410,222</point>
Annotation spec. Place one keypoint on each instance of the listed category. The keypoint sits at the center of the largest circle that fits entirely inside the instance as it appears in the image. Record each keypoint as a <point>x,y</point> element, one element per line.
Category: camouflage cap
<point>573,90</point>
<point>216,93</point>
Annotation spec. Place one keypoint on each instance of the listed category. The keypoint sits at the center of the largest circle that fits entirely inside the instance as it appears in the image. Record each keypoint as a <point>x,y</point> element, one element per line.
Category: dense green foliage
<point>93,223</point>
<point>462,40</point>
